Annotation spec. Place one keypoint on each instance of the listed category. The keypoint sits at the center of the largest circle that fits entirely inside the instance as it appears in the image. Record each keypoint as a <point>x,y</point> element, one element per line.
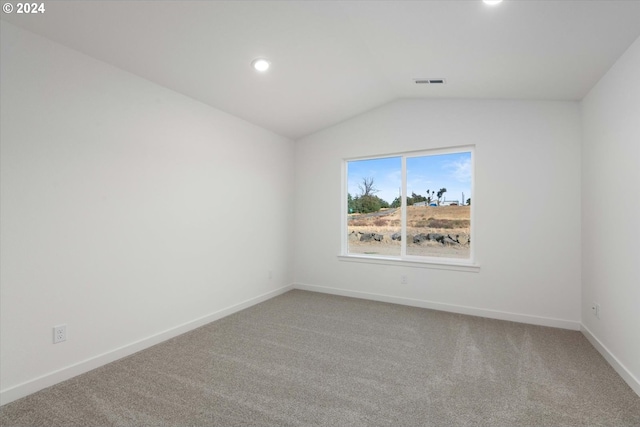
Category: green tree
<point>367,201</point>
<point>351,206</point>
<point>440,194</point>
<point>416,198</point>
<point>367,204</point>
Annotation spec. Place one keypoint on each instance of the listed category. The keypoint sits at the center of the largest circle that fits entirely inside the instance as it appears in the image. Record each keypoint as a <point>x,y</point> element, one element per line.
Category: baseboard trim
<point>626,375</point>
<point>472,311</point>
<point>28,387</point>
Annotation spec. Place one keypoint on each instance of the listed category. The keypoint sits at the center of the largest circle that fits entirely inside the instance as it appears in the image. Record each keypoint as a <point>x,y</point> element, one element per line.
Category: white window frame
<point>466,264</point>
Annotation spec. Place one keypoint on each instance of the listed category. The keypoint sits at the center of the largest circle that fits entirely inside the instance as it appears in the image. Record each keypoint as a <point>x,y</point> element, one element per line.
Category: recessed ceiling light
<point>260,64</point>
<point>492,2</point>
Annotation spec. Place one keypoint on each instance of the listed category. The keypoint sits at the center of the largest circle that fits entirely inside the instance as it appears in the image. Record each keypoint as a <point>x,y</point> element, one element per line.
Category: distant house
<point>420,204</point>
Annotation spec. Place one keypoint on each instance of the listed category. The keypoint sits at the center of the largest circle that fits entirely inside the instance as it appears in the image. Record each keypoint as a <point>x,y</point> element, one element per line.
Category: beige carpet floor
<point>309,359</point>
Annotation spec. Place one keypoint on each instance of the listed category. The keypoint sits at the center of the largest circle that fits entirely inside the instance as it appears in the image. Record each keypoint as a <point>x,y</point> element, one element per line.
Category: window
<point>410,207</point>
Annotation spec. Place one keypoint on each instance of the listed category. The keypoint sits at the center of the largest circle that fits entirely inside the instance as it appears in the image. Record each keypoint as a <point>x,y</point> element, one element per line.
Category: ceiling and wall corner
<point>115,218</point>
<point>335,60</point>
<point>610,211</point>
<point>331,61</point>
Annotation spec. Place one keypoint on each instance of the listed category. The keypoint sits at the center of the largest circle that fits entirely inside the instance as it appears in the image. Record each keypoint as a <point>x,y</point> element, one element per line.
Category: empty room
<point>331,213</point>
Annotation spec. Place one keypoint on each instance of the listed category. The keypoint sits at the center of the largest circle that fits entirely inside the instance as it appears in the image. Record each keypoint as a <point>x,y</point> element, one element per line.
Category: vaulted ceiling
<point>332,60</point>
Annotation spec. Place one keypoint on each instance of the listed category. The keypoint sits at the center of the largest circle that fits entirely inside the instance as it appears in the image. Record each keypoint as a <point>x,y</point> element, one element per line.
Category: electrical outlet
<point>59,333</point>
<point>595,308</point>
<point>404,280</point>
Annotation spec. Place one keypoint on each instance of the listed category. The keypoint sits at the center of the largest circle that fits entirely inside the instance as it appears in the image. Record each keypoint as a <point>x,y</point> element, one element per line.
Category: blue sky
<point>451,171</point>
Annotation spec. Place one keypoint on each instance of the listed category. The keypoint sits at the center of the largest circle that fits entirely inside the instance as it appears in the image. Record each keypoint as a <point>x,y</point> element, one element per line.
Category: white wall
<point>115,215</point>
<point>127,211</point>
<point>526,201</point>
<point>611,214</point>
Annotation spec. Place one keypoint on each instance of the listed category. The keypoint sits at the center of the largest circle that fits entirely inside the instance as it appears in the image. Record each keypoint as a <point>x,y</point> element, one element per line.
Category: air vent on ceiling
<point>430,81</point>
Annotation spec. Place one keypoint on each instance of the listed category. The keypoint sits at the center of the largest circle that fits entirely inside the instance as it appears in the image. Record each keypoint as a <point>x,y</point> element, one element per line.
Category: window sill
<point>443,265</point>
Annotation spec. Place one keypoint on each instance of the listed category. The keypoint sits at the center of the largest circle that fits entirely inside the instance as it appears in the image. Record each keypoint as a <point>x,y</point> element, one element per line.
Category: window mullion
<point>403,210</point>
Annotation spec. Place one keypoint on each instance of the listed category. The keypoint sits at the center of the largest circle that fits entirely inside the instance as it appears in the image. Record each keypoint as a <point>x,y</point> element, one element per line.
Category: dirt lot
<point>453,222</point>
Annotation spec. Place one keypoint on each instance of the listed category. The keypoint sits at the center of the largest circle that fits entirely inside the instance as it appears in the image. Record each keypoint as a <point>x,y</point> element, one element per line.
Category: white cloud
<point>460,170</point>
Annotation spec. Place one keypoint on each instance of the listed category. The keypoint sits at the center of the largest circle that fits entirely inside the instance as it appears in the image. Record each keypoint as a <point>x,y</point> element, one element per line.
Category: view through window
<point>411,205</point>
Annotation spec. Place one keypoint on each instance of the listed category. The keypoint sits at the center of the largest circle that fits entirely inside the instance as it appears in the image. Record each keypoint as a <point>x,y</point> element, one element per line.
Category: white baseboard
<point>626,375</point>
<point>472,311</point>
<point>16,392</point>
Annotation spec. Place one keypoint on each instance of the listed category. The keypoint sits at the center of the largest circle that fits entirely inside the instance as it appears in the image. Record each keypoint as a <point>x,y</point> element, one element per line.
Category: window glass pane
<point>373,206</point>
<point>438,205</point>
